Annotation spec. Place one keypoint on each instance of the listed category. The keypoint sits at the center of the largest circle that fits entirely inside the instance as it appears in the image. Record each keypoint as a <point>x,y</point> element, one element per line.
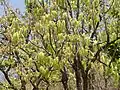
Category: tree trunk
<point>77,67</point>
<point>78,80</point>
<point>64,78</point>
<point>85,81</point>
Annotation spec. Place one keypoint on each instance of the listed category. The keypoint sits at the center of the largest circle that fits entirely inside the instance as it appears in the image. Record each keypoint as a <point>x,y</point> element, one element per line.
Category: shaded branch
<point>40,48</point>
<point>7,77</point>
<point>50,38</point>
<point>95,27</point>
<point>78,6</point>
<point>70,7</point>
<point>103,48</point>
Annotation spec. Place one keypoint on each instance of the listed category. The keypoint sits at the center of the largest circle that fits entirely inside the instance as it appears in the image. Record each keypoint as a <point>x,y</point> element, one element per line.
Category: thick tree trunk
<point>85,82</point>
<point>78,80</point>
<point>64,78</point>
<point>77,67</point>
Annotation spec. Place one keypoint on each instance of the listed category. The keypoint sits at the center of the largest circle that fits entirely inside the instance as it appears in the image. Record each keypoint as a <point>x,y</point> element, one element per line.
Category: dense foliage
<point>61,44</point>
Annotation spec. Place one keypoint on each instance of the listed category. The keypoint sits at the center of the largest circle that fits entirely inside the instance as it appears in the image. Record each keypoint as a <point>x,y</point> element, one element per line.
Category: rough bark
<point>76,67</point>
<point>64,78</point>
<point>85,81</point>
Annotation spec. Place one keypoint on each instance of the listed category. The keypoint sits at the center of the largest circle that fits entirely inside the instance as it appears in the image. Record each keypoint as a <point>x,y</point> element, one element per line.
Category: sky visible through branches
<point>15,4</point>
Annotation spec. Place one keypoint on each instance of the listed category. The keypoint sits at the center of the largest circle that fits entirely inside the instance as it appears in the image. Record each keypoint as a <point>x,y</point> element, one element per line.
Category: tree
<point>60,42</point>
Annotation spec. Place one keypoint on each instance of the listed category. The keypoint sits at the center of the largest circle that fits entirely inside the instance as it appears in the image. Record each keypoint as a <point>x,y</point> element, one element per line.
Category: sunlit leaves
<point>56,38</point>
<point>42,70</point>
<point>60,26</point>
<point>60,2</point>
<point>16,37</point>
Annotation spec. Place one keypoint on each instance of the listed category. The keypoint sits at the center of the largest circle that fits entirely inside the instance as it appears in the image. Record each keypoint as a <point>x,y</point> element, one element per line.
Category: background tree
<point>61,44</point>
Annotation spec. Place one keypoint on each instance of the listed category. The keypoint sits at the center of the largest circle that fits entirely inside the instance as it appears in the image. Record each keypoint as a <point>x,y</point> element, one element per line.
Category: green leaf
<point>16,37</point>
<point>42,70</point>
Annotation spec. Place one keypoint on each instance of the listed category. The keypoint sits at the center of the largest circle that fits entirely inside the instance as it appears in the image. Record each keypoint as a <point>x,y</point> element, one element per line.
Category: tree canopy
<point>61,45</point>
